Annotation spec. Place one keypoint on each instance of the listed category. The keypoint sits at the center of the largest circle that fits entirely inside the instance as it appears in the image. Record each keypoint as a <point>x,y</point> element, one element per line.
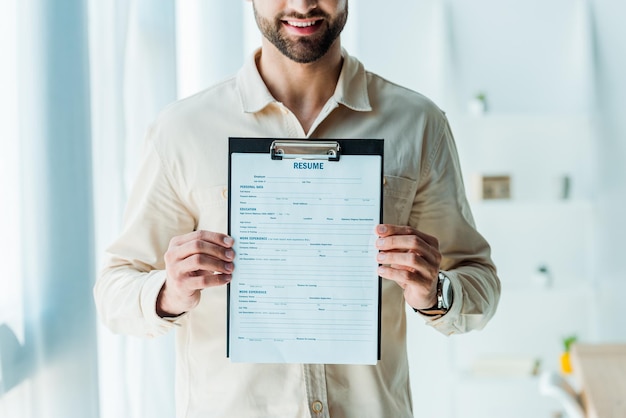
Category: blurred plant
<point>568,341</point>
<point>478,103</point>
<point>566,365</point>
<point>481,97</point>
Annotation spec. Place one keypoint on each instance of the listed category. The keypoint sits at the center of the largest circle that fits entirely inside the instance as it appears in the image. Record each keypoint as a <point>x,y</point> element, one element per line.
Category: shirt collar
<point>351,90</point>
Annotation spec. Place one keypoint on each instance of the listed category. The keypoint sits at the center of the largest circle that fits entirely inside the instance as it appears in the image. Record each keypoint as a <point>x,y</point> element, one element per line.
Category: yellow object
<point>566,365</point>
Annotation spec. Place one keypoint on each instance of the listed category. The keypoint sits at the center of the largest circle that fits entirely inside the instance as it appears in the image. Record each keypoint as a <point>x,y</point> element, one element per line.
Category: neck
<point>303,88</point>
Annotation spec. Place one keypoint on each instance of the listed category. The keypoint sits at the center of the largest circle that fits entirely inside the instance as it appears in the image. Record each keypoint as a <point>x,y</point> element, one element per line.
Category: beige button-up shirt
<point>182,186</point>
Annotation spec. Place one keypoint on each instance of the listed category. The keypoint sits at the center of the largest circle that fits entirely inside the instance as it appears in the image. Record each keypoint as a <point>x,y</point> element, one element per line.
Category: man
<point>169,266</point>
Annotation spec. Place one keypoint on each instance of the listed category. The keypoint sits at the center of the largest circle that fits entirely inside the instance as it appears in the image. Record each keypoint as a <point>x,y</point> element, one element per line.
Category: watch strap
<point>438,308</point>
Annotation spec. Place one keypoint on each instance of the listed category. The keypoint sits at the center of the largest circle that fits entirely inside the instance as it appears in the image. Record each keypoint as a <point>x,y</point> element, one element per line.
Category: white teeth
<point>302,24</point>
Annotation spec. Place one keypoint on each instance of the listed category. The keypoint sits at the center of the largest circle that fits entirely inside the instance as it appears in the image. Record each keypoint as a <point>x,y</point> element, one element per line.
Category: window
<point>11,311</point>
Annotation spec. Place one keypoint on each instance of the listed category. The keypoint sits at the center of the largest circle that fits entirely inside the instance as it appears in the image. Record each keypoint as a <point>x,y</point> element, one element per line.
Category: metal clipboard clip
<point>305,150</point>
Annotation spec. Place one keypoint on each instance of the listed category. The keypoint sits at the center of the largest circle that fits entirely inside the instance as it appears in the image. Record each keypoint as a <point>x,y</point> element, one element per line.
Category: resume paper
<point>305,288</point>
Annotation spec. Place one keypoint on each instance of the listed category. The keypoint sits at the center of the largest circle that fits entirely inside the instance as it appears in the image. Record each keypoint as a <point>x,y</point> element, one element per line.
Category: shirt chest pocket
<point>398,195</point>
<point>211,205</point>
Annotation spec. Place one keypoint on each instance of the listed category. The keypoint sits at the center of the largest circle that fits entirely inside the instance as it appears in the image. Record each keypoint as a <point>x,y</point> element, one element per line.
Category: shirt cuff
<point>445,323</point>
<point>149,294</point>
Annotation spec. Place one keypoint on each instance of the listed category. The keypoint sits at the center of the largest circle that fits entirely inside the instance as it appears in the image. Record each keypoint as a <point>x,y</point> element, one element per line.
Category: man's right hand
<point>194,261</point>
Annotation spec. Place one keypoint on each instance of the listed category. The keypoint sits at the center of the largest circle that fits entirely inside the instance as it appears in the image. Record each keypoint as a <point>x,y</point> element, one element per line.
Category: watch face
<point>446,290</point>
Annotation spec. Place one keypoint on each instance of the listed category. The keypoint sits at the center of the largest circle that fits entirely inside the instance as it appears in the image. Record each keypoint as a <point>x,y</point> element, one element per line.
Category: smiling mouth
<point>302,24</point>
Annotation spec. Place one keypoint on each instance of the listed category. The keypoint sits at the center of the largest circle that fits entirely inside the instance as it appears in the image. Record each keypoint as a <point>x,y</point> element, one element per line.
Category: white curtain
<point>145,54</point>
<point>133,71</point>
<point>11,306</point>
<point>47,336</point>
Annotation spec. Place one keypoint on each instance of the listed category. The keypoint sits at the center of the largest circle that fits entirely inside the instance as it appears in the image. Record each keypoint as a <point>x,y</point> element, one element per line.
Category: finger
<point>190,285</point>
<point>389,273</point>
<point>216,238</point>
<point>386,230</point>
<point>424,262</point>
<point>415,270</point>
<point>407,250</point>
<point>403,277</point>
<point>200,242</point>
<point>200,264</point>
<point>200,247</point>
<point>190,282</point>
<point>202,279</point>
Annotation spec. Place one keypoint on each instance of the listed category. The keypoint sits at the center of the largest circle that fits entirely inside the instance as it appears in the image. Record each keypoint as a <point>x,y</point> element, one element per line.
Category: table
<point>600,369</point>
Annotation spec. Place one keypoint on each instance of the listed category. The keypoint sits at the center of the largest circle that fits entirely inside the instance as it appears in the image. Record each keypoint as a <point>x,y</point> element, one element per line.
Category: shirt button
<point>317,407</point>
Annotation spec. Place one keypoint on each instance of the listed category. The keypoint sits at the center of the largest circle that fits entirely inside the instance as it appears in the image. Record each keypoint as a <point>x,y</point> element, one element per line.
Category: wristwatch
<point>445,296</point>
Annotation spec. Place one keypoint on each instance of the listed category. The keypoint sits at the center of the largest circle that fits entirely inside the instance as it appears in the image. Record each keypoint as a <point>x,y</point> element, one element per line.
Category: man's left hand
<point>411,259</point>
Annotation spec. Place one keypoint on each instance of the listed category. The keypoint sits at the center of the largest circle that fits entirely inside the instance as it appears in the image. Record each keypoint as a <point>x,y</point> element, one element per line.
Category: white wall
<point>553,75</point>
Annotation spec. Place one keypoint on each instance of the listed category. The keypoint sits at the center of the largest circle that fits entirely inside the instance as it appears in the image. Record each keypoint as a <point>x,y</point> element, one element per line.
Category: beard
<point>303,50</point>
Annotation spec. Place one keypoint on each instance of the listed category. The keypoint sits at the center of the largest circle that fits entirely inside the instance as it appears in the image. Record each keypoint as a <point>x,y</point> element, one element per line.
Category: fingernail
<point>382,228</point>
<point>380,242</point>
<point>228,267</point>
<point>381,256</point>
<point>228,241</point>
<point>229,254</point>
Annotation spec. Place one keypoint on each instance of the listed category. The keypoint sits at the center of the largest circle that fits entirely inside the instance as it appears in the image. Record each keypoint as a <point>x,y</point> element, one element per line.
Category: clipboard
<point>305,288</point>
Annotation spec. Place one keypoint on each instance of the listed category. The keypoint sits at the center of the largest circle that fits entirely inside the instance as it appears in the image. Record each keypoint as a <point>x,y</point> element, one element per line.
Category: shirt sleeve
<point>441,209</point>
<point>134,270</point>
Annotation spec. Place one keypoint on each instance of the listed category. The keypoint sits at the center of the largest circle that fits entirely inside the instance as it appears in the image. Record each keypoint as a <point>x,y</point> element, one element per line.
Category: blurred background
<point>535,93</point>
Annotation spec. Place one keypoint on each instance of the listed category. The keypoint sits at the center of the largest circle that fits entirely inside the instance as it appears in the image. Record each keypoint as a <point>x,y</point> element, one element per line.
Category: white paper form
<point>305,287</point>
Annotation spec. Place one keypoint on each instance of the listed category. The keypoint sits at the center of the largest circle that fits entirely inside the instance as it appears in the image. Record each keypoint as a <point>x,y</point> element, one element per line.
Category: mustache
<point>313,14</point>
